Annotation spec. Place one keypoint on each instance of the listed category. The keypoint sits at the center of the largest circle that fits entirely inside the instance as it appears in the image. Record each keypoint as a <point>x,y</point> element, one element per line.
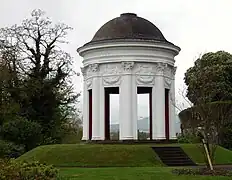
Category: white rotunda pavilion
<point>127,56</point>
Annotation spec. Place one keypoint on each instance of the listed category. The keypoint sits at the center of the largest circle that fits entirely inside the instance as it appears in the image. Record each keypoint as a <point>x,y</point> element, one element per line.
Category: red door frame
<point>167,134</point>
<point>90,114</point>
<point>107,115</point>
<point>150,112</point>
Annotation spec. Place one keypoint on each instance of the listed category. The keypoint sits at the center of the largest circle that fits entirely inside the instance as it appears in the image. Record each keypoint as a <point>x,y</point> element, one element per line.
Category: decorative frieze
<point>145,73</point>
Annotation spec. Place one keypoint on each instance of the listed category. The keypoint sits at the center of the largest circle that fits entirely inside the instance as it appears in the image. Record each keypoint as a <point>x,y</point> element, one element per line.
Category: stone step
<point>173,156</point>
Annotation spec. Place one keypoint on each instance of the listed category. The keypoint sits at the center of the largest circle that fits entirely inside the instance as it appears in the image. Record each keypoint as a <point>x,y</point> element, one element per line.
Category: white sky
<point>196,26</point>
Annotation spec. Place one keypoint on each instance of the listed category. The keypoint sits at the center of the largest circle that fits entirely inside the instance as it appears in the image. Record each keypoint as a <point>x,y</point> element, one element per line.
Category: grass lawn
<point>95,155</point>
<point>132,173</point>
<point>194,151</point>
<point>67,155</point>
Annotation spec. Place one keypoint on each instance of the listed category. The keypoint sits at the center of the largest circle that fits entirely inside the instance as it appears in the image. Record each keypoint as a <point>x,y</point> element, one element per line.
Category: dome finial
<point>128,14</point>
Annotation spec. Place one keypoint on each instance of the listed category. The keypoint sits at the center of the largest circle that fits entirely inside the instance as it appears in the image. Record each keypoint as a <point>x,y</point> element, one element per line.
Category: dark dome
<point>128,26</point>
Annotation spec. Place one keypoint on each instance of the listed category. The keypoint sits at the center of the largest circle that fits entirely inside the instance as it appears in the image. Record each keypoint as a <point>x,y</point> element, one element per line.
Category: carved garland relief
<point>145,74</point>
<point>167,83</point>
<point>89,83</point>
<point>112,74</point>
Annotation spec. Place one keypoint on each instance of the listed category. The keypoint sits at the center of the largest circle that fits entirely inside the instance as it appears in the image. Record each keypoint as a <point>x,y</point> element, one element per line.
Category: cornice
<point>125,44</point>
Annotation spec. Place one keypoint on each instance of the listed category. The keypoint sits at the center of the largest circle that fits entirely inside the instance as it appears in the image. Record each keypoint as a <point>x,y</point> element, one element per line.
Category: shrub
<point>10,150</point>
<point>226,136</point>
<point>188,138</point>
<point>71,135</point>
<point>203,171</point>
<point>143,135</point>
<point>26,171</point>
<point>22,131</point>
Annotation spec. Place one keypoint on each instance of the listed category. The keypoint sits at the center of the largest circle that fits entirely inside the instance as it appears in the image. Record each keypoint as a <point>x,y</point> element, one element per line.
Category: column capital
<point>127,65</point>
<point>90,70</point>
<point>160,67</point>
<point>83,71</point>
<point>165,70</point>
<point>174,70</point>
<point>94,67</point>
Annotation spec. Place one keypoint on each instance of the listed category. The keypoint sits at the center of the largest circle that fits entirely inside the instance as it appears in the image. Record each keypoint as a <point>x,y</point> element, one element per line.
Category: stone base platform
<point>130,141</point>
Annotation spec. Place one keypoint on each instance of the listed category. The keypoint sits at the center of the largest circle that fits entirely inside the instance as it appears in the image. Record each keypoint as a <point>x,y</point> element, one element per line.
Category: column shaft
<point>134,108</point>
<point>85,113</point>
<point>158,105</point>
<point>102,109</point>
<point>96,109</point>
<point>172,111</point>
<point>126,117</point>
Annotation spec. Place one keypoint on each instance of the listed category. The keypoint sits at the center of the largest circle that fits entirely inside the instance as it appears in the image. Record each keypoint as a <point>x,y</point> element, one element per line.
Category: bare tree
<point>182,104</point>
<point>208,120</point>
<point>40,70</point>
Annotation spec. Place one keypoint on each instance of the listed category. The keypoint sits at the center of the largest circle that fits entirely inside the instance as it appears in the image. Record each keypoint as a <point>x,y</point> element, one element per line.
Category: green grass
<point>92,155</point>
<point>132,173</point>
<point>222,155</point>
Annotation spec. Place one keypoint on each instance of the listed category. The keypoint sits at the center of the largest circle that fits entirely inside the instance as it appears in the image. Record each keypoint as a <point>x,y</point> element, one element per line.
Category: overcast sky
<point>197,26</point>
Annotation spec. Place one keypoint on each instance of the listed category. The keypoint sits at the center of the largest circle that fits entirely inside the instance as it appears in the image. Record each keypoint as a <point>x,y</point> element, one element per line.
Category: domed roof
<point>128,26</point>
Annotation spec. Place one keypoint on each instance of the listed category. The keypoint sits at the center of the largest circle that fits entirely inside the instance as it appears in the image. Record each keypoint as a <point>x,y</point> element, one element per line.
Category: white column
<point>96,109</point>
<point>126,118</point>
<point>154,126</point>
<point>158,105</point>
<point>126,94</point>
<point>134,108</point>
<point>85,113</point>
<point>172,118</point>
<point>102,109</point>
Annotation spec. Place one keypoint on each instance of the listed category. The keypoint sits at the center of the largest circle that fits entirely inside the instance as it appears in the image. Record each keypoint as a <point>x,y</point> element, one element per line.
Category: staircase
<point>173,156</point>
